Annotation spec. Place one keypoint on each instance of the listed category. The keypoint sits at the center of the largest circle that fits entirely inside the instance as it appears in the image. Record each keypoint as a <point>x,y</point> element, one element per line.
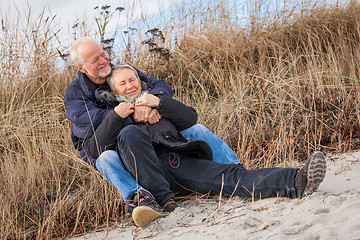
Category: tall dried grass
<point>47,191</point>
<point>274,91</point>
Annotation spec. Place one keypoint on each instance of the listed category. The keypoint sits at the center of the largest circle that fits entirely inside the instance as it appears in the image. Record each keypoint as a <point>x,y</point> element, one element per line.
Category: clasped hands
<point>143,109</point>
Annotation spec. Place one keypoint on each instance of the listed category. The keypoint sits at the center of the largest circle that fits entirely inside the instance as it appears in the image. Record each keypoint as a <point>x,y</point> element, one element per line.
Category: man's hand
<point>124,109</point>
<point>154,117</point>
<point>142,113</point>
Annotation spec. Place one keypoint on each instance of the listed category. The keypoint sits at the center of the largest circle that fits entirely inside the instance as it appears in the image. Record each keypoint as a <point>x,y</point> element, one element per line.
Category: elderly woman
<point>166,164</point>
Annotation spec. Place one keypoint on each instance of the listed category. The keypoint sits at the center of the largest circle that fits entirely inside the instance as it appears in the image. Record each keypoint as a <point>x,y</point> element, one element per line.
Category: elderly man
<point>88,114</point>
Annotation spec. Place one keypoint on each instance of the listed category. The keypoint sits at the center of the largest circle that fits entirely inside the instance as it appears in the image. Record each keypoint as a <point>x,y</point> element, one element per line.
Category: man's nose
<point>104,59</point>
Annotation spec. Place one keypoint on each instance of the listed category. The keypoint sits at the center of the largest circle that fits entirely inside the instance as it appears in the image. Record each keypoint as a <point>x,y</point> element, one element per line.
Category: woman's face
<point>126,84</point>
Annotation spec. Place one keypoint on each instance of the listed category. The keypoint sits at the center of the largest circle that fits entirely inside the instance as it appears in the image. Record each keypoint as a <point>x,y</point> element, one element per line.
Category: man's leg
<point>139,158</point>
<point>110,166</point>
<point>203,175</point>
<point>222,153</point>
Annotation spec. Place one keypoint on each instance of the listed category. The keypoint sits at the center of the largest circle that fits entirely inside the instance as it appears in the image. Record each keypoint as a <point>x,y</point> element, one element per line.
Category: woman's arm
<point>105,136</point>
<point>181,115</point>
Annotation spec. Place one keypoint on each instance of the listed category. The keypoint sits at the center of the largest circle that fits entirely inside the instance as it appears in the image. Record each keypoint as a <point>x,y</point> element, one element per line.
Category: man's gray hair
<point>115,69</point>
<point>77,60</point>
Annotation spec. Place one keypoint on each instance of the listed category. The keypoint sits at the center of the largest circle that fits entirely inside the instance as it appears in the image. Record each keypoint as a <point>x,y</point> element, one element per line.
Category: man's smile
<point>102,67</point>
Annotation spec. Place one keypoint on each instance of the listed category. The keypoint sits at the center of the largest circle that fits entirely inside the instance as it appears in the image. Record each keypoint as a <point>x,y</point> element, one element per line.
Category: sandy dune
<point>331,213</point>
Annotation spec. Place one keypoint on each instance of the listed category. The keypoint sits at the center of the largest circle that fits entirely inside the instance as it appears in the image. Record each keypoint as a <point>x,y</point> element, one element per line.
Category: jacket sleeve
<point>159,87</point>
<point>181,115</point>
<point>105,136</point>
<point>83,113</point>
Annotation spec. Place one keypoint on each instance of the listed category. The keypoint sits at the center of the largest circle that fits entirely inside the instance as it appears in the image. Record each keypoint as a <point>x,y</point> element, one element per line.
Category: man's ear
<point>81,69</point>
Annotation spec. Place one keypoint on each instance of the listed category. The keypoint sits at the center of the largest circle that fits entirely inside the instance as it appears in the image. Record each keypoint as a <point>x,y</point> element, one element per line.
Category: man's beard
<point>100,75</point>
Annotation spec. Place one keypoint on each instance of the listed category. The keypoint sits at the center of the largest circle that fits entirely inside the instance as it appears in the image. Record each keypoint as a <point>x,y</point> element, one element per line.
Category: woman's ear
<point>114,93</point>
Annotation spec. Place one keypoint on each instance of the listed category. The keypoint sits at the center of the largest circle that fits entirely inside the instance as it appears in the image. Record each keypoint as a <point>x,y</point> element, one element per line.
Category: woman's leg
<point>139,158</point>
<point>145,208</point>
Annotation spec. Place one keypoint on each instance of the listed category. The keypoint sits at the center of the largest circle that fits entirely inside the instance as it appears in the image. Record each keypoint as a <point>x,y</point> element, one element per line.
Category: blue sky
<point>67,11</point>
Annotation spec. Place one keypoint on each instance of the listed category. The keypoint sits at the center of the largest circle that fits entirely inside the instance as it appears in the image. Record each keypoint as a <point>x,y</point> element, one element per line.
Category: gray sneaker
<point>170,205</point>
<point>146,209</point>
<point>309,177</point>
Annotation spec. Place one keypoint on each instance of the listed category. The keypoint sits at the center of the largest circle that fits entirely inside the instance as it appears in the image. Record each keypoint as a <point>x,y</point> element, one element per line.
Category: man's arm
<point>106,133</point>
<point>83,113</point>
<point>157,87</point>
<point>160,87</point>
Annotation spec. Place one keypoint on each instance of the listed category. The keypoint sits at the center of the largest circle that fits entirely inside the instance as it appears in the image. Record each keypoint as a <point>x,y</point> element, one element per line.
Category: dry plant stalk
<point>275,92</point>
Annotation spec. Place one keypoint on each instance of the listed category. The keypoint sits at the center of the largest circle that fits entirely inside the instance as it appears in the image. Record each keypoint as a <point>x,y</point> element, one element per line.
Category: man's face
<point>126,84</point>
<point>96,62</point>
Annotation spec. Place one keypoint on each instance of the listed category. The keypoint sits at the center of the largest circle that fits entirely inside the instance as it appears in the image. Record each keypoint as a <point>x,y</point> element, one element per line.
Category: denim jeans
<point>222,153</point>
<point>165,173</point>
<point>109,163</point>
<point>110,166</point>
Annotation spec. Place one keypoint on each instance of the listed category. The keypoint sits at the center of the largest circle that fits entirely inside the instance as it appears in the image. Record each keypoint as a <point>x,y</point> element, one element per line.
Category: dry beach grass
<point>275,91</point>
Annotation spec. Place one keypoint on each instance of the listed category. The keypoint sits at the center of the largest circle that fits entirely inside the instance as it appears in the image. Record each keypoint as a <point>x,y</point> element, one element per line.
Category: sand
<point>333,212</point>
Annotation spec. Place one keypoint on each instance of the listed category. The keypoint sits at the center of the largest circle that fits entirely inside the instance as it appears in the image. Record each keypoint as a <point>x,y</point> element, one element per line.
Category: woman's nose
<point>129,86</point>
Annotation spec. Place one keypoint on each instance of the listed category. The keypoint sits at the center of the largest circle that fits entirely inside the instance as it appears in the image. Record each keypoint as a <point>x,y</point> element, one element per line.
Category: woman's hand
<point>148,100</point>
<point>124,109</point>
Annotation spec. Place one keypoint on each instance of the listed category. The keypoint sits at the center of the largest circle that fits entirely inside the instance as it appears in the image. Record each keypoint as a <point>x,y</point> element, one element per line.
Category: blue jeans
<point>110,166</point>
<point>109,163</point>
<point>222,153</point>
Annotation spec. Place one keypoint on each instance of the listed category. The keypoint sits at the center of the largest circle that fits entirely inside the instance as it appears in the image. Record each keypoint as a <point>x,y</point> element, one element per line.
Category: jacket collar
<point>88,87</point>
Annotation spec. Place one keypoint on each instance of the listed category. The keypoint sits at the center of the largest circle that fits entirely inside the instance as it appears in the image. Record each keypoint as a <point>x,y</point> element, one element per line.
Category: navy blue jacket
<point>86,113</point>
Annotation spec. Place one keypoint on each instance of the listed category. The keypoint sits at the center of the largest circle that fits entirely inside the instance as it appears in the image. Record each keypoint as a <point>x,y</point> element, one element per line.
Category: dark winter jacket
<point>176,117</point>
<point>87,114</point>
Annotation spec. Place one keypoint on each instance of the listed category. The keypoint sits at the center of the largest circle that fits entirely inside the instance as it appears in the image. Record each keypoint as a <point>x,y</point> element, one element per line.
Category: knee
<point>194,132</point>
<point>199,128</point>
<point>107,159</point>
<point>132,135</point>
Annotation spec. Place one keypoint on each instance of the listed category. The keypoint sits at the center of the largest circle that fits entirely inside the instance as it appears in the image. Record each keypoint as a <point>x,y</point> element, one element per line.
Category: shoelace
<point>140,200</point>
<point>170,201</point>
<point>174,160</point>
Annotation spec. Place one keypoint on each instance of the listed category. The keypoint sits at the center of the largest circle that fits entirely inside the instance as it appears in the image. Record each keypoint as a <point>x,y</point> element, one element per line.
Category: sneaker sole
<point>144,215</point>
<point>316,173</point>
